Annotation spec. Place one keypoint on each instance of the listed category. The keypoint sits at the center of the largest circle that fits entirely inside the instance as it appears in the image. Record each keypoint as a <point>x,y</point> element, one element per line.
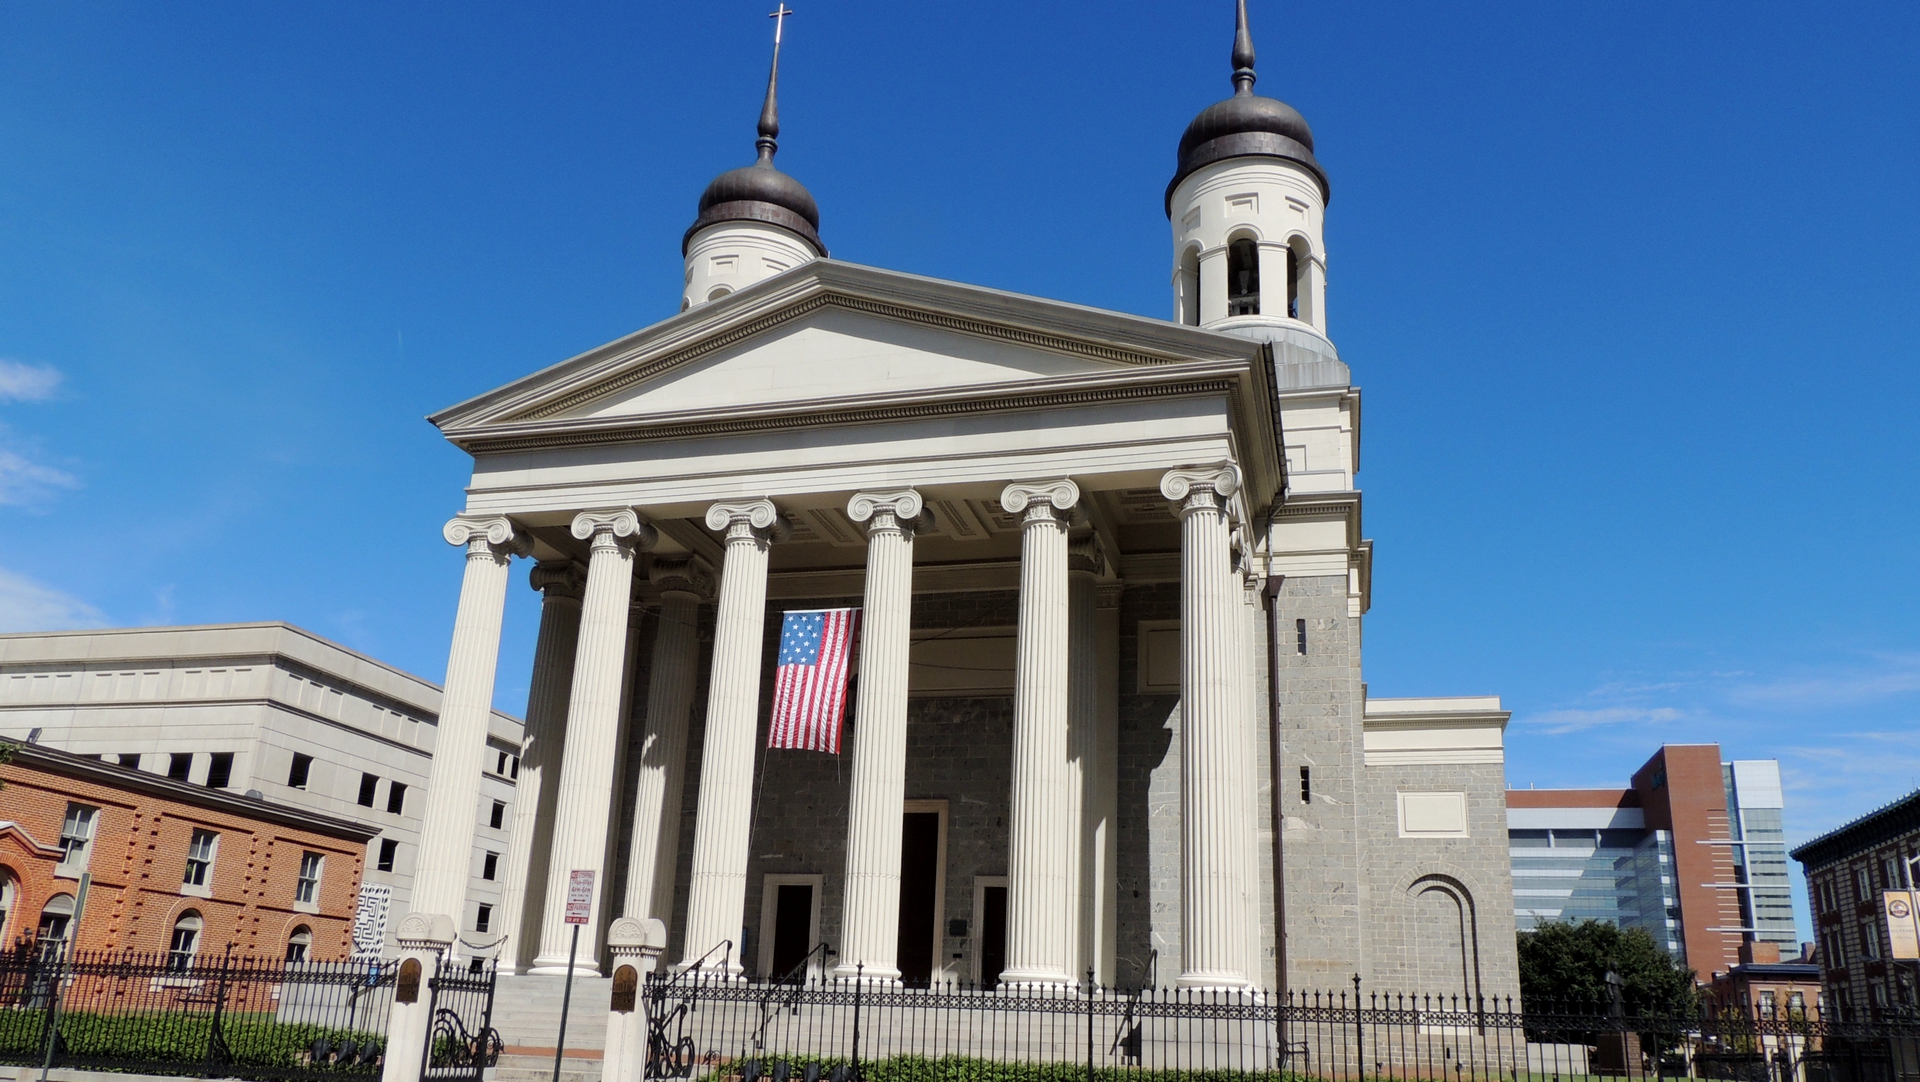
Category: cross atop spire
<point>770,112</point>
<point>1242,53</point>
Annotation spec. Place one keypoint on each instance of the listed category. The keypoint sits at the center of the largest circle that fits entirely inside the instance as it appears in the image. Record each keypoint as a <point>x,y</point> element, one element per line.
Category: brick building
<point>1769,986</point>
<point>1849,874</point>
<point>172,866</point>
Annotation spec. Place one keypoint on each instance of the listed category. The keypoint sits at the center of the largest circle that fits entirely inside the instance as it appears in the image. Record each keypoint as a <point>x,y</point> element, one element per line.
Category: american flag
<point>810,682</point>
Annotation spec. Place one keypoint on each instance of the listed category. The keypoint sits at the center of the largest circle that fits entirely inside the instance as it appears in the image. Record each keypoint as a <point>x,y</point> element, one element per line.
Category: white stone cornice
<point>425,931</point>
<point>621,524</point>
<point>759,516</point>
<point>688,575</point>
<point>1050,499</point>
<point>637,937</point>
<point>497,530</point>
<point>1223,480</point>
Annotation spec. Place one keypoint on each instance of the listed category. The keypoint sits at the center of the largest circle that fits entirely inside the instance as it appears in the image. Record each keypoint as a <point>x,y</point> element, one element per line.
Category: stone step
<point>526,1012</point>
<point>524,1068</point>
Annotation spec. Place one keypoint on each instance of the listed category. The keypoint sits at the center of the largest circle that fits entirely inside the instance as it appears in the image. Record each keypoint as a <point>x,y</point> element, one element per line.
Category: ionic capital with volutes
<point>748,520</point>
<point>1086,556</point>
<point>898,510</point>
<point>616,527</point>
<point>682,575</point>
<point>1204,488</point>
<point>495,535</point>
<point>1044,501</point>
<point>558,579</point>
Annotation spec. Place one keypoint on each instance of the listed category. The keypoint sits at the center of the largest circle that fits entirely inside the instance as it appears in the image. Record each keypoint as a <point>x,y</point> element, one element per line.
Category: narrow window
<point>199,858</point>
<point>130,759</point>
<point>490,866</point>
<point>307,889</point>
<point>186,942</point>
<point>389,848</point>
<point>219,769</point>
<point>1243,278</point>
<point>1293,283</point>
<point>500,767</point>
<point>498,816</point>
<point>396,798</point>
<point>299,944</point>
<point>180,765</point>
<point>1189,287</point>
<point>482,918</point>
<point>300,771</point>
<point>1870,940</point>
<point>1300,637</point>
<point>76,834</point>
<point>368,783</point>
<point>515,772</point>
<point>1306,785</point>
<point>55,918</point>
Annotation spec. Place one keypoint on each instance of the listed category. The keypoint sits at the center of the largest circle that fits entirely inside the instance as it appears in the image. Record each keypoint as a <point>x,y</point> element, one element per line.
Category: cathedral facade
<point>1108,717</point>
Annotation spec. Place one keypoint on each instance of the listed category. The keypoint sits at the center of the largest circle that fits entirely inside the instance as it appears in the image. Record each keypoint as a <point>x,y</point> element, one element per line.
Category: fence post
<point>1359,1034</point>
<point>859,982</point>
<point>423,938</point>
<point>1090,1024</point>
<point>636,946</point>
<point>51,1019</point>
<point>217,1054</point>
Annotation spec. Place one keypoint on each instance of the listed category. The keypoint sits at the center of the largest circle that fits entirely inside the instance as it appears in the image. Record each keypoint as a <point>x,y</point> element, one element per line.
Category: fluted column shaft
<point>466,706</point>
<point>588,765</point>
<point>534,799</point>
<point>1083,706</point>
<point>1213,851</point>
<point>870,935</point>
<point>717,897</point>
<point>1040,836</point>
<point>1240,585</point>
<point>655,852</point>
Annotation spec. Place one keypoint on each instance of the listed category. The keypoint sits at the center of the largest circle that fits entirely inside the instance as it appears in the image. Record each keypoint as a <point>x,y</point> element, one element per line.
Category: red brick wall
<point>139,858</point>
<point>1683,792</point>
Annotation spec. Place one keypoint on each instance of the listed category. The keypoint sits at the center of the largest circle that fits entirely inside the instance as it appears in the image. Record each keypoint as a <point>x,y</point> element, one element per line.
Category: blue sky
<point>1630,288</point>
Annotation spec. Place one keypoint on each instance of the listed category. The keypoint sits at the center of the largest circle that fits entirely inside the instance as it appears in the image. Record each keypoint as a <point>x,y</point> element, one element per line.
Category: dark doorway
<point>792,928</point>
<point>993,934</point>
<point>919,875</point>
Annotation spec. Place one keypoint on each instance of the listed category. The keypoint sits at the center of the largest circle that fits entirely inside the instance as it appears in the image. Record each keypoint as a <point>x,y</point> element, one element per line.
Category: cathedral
<point>1107,718</point>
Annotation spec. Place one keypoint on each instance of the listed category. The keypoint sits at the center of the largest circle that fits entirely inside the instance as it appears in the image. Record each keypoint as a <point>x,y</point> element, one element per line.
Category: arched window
<point>7,900</point>
<point>55,918</point>
<point>299,944</point>
<point>718,292</point>
<point>1187,288</point>
<point>1243,277</point>
<point>1293,283</point>
<point>186,941</point>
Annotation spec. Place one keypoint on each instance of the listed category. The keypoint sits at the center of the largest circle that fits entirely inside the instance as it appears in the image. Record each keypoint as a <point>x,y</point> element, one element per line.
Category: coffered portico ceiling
<point>834,377</point>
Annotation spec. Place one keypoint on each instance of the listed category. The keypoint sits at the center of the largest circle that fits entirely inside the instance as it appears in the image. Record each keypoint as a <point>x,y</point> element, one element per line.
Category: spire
<point>1242,56</point>
<point>770,112</point>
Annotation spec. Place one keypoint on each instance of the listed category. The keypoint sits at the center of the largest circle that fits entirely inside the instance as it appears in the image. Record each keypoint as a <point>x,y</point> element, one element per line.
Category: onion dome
<point>760,192</point>
<point>1246,124</point>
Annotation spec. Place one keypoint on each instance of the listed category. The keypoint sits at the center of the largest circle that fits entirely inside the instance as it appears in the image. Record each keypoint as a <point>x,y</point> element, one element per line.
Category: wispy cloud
<point>1577,720</point>
<point>1879,678</point>
<point>28,605</point>
<point>24,481</point>
<point>22,382</point>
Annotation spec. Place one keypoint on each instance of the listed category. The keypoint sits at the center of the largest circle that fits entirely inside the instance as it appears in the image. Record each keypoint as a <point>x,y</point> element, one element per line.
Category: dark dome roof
<point>1246,124</point>
<point>759,193</point>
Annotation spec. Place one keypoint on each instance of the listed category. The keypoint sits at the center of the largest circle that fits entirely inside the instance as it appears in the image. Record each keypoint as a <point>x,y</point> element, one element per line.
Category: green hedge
<point>969,1069</point>
<point>170,1038</point>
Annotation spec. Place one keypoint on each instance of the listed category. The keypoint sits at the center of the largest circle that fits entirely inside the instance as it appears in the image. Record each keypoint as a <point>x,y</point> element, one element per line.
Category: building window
<point>130,759</point>
<point>186,941</point>
<point>1836,949</point>
<point>500,766</point>
<point>1293,283</point>
<point>1300,637</point>
<point>219,769</point>
<point>300,944</point>
<point>180,765</point>
<point>55,917</point>
<point>1870,940</point>
<point>200,857</point>
<point>1825,896</point>
<point>1189,288</point>
<point>497,816</point>
<point>514,768</point>
<point>300,771</point>
<point>389,848</point>
<point>76,837</point>
<point>1766,1003</point>
<point>307,889</point>
<point>1862,888</point>
<point>1306,785</point>
<point>482,918</point>
<point>368,783</point>
<point>7,898</point>
<point>1890,874</point>
<point>1243,278</point>
<point>396,797</point>
<point>1796,1003</point>
<point>489,865</point>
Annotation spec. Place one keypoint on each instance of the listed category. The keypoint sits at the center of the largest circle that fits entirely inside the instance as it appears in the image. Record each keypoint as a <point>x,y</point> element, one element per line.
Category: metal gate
<point>461,1041</point>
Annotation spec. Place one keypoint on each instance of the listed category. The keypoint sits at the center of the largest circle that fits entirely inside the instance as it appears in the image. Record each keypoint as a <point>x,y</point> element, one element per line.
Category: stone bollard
<point>423,938</point>
<point>636,946</point>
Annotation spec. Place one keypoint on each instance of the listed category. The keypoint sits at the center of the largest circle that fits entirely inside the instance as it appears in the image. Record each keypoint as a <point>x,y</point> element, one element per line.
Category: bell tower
<point>1248,207</point>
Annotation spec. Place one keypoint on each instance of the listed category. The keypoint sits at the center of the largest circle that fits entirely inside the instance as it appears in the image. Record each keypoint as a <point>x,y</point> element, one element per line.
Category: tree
<point>1568,963</point>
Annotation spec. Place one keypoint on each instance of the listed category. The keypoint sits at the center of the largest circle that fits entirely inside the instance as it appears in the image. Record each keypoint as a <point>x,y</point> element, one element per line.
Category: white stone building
<point>1109,712</point>
<point>273,709</point>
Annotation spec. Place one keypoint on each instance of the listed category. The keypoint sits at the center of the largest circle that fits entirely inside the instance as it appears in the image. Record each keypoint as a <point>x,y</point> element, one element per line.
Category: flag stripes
<point>810,681</point>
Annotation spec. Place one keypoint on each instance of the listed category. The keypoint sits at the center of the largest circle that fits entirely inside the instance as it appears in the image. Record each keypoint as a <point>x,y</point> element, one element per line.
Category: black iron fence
<point>211,1016</point>
<point>849,1031</point>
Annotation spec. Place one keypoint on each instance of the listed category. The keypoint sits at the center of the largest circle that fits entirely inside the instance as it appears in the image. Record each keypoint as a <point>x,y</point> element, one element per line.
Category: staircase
<point>526,1013</point>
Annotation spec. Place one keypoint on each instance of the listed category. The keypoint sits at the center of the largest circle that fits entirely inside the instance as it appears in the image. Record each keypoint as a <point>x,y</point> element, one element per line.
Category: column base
<point>547,967</point>
<point>1214,981</point>
<point>1034,980</point>
<point>869,975</point>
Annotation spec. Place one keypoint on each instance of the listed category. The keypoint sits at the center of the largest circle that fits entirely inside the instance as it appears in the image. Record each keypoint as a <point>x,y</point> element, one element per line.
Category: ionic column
<point>717,899</point>
<point>654,855</point>
<point>1040,836</point>
<point>1084,564</point>
<point>1104,800</point>
<point>1243,585</point>
<point>560,582</point>
<point>1213,850</point>
<point>466,706</point>
<point>588,765</point>
<point>871,929</point>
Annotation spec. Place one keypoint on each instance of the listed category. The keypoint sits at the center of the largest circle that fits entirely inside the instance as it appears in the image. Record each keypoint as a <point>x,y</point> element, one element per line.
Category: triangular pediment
<point>829,336</point>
